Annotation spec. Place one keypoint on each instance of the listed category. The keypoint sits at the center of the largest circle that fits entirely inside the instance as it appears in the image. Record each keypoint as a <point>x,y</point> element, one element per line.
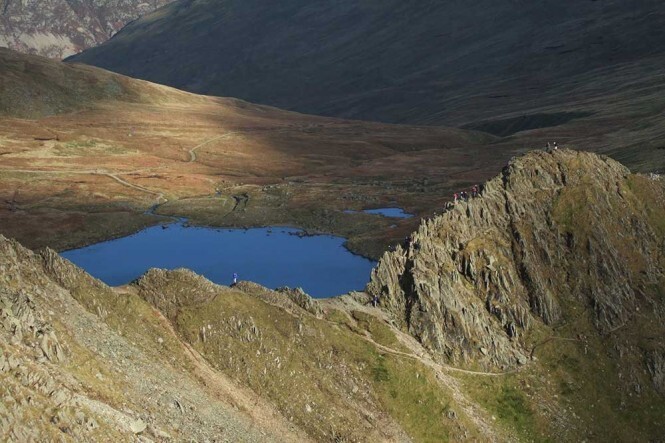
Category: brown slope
<point>87,151</point>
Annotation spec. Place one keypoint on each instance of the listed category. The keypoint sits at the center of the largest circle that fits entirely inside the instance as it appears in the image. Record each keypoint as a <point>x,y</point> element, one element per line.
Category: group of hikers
<point>465,196</point>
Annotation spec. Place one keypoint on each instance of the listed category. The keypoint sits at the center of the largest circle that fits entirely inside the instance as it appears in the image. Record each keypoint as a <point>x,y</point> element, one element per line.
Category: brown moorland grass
<point>74,151</point>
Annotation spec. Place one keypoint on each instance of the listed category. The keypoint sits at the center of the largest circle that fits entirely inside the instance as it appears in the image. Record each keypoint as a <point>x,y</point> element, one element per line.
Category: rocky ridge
<point>59,28</point>
<point>174,357</point>
<point>555,235</point>
<point>66,362</point>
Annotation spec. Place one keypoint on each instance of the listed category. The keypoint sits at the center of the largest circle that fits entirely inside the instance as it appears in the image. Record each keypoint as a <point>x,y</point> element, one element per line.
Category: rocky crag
<point>59,28</point>
<point>561,238</point>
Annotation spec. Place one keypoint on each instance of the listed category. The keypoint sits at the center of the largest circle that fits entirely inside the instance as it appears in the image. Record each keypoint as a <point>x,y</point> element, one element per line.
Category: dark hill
<point>424,62</point>
<point>506,67</point>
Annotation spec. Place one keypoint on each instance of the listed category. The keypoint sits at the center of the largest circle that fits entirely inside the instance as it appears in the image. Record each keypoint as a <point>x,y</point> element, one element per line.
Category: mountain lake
<point>272,257</point>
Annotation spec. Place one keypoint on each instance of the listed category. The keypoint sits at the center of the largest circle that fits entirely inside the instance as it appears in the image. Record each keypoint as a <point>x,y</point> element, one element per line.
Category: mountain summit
<point>563,240</point>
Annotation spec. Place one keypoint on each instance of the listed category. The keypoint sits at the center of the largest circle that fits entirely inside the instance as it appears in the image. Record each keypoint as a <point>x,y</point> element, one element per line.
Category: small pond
<point>273,257</point>
<point>386,212</point>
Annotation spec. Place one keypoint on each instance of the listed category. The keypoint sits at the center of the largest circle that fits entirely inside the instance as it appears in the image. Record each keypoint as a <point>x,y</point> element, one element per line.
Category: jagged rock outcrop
<point>25,325</point>
<point>301,299</point>
<point>553,233</point>
<point>192,289</point>
<point>59,28</point>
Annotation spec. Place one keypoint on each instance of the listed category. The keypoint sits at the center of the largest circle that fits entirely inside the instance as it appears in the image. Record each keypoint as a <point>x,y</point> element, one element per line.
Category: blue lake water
<point>273,257</point>
<point>386,212</point>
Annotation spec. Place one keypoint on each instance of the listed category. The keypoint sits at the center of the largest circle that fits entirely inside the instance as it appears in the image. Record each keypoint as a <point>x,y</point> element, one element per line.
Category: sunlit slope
<point>83,148</point>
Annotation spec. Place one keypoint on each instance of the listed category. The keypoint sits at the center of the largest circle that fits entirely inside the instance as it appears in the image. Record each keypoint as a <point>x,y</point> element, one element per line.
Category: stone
<point>137,426</point>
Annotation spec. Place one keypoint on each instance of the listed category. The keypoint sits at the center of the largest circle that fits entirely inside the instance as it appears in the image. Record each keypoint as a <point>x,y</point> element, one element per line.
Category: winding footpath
<point>480,417</point>
<point>192,152</point>
<point>159,196</point>
<point>113,176</point>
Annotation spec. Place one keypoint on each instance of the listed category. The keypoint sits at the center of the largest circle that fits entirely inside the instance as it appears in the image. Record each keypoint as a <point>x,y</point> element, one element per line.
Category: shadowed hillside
<point>485,63</point>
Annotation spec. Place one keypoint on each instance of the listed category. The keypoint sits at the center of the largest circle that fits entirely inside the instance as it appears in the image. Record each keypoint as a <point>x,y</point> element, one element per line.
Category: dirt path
<point>159,195</point>
<point>433,364</point>
<point>419,353</point>
<point>113,176</point>
<point>192,152</point>
<point>442,372</point>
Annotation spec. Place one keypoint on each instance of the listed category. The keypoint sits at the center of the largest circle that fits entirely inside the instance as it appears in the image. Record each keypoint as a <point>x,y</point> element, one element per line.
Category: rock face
<point>554,234</point>
<point>60,28</point>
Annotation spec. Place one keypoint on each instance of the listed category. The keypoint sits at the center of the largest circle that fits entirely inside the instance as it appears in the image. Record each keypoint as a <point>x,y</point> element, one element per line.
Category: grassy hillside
<point>85,153</point>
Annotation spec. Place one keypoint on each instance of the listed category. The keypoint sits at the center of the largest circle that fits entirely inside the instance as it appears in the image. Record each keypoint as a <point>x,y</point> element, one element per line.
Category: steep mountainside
<point>563,247</point>
<point>60,28</point>
<point>540,306</point>
<point>80,361</point>
<point>582,72</point>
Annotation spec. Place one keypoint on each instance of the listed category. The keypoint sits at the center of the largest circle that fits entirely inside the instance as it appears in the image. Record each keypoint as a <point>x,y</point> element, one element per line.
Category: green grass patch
<point>411,394</point>
<point>513,408</point>
<point>380,332</point>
